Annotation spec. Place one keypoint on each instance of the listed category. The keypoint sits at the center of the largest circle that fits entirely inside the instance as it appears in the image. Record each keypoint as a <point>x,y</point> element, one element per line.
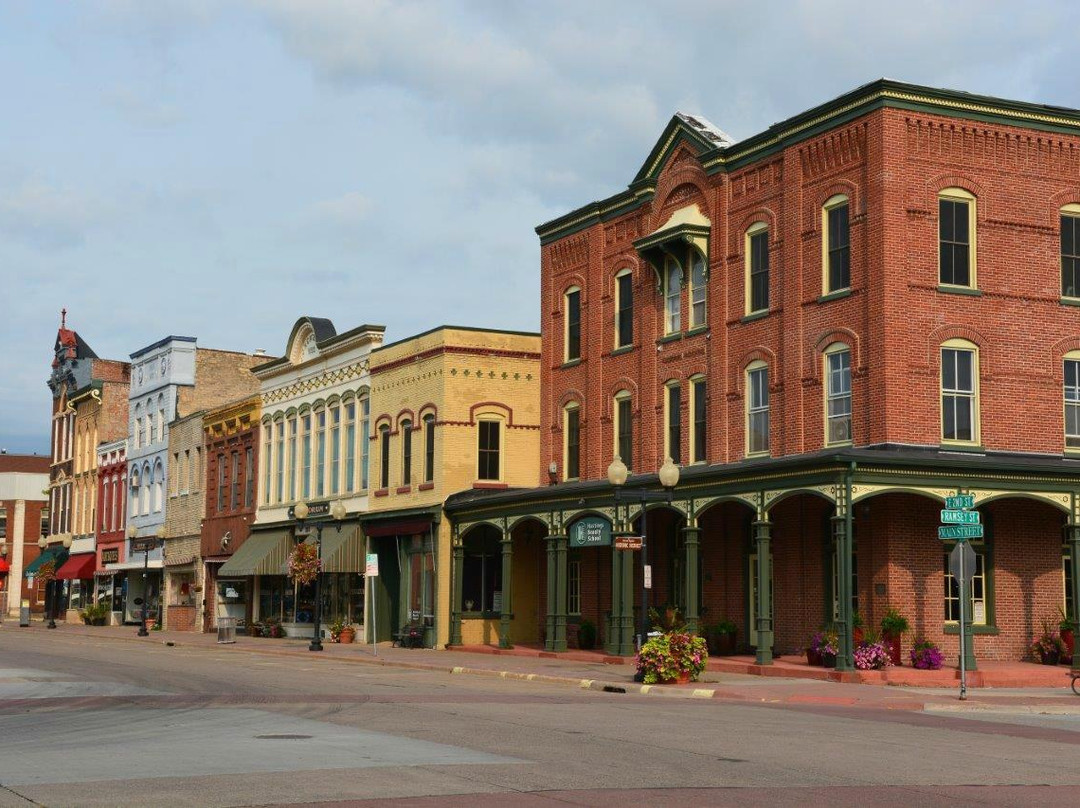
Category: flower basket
<point>871,656</point>
<point>304,563</point>
<point>824,646</point>
<point>926,656</point>
<point>672,657</point>
<point>1048,649</point>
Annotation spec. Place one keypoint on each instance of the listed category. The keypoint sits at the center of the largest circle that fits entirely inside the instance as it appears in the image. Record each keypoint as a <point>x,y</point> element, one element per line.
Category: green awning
<point>55,553</point>
<point>344,551</point>
<point>262,553</point>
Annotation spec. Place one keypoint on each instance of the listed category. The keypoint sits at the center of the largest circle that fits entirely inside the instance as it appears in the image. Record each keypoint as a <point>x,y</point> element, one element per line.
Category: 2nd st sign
<point>960,517</point>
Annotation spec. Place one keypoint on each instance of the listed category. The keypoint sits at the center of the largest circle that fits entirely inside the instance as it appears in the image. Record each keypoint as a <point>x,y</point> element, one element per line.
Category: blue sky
<point>218,169</point>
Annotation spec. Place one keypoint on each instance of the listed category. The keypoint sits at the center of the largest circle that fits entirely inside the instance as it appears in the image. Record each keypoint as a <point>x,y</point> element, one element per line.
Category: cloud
<point>46,217</point>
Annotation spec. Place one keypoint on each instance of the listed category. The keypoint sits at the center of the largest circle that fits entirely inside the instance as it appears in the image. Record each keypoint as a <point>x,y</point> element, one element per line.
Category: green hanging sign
<point>591,531</point>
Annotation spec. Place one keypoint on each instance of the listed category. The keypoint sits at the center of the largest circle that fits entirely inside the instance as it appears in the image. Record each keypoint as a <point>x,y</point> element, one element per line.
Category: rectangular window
<point>488,460</point>
<point>674,423</point>
<point>977,612</point>
<point>839,250</point>
<point>384,471</point>
<point>350,447</point>
<point>672,296</point>
<point>700,420</point>
<point>757,382</point>
<point>624,325</point>
<point>573,587</point>
<point>838,396</point>
<point>305,468</point>
<point>320,453</point>
<point>759,271</point>
<point>573,324</point>
<point>1070,256</point>
<point>572,461</point>
<point>290,465</point>
<point>279,461</point>
<point>624,417</point>
<point>221,483</point>
<point>335,449</point>
<point>234,483</point>
<point>429,448</point>
<point>267,459</point>
<point>697,290</point>
<point>955,242</point>
<point>406,452</point>
<point>1072,404</point>
<point>365,443</point>
<point>957,394</point>
<point>249,476</point>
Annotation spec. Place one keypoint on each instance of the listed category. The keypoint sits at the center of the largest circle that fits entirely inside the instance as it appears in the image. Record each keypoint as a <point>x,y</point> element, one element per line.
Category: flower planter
<point>682,679</point>
<point>721,643</point>
<point>857,635</point>
<point>347,635</point>
<point>1068,638</point>
<point>828,660</point>
<point>892,642</point>
<point>813,657</point>
<point>1051,658</point>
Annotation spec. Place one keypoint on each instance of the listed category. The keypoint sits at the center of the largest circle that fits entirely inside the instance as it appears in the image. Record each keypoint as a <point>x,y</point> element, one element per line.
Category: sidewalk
<point>1013,686</point>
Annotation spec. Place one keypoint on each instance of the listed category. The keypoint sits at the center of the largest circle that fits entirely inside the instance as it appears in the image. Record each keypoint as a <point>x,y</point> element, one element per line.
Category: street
<point>86,721</point>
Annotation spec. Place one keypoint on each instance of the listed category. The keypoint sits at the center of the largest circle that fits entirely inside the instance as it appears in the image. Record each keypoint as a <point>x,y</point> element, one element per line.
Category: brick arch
<point>935,185</point>
<point>947,332</point>
<point>814,203</point>
<point>1066,196</point>
<point>1057,355</point>
<point>403,414</point>
<point>763,213</point>
<point>565,282</point>
<point>504,411</point>
<point>381,420</point>
<point>738,369</point>
<point>675,177</point>
<point>827,338</point>
<point>429,408</point>
<point>570,396</point>
<point>622,383</point>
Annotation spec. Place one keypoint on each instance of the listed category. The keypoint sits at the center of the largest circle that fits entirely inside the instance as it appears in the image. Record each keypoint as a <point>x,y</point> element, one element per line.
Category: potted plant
<point>893,626</point>
<point>335,627</point>
<point>858,633</point>
<point>95,614</point>
<point>271,627</point>
<point>871,656</point>
<point>673,657</point>
<point>1048,648</point>
<point>720,637</point>
<point>347,634</point>
<point>824,646</point>
<point>1066,630</point>
<point>926,656</point>
<point>586,635</point>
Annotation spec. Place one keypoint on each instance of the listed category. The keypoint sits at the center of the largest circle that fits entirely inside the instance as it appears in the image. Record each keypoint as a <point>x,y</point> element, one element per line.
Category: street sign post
<point>961,524</point>
<point>961,565</point>
<point>960,532</point>
<point>371,570</point>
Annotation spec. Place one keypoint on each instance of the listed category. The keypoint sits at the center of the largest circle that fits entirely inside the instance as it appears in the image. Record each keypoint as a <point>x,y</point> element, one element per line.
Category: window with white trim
<point>673,277</point>
<point>624,427</point>
<point>699,421</point>
<point>488,450</point>
<point>571,441</point>
<point>757,408</point>
<point>1070,251</point>
<point>1071,368</point>
<point>673,422</point>
<point>837,394</point>
<point>384,452</point>
<point>697,289</point>
<point>959,392</point>
<point>405,428</point>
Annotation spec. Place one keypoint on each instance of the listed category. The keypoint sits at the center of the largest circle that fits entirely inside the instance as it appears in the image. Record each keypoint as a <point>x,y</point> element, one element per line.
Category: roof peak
<point>705,127</point>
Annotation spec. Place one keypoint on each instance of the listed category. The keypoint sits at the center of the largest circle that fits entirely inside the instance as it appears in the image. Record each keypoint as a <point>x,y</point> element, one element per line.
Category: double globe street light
<point>301,511</point>
<point>617,474</point>
<point>147,544</point>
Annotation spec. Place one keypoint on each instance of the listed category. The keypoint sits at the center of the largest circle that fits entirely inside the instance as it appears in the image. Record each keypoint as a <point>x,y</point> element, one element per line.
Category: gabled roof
<point>76,346</point>
<point>683,128</point>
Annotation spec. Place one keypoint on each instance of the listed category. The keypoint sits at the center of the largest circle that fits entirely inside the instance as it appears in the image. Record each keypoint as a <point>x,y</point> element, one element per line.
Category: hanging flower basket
<point>304,563</point>
<point>47,571</point>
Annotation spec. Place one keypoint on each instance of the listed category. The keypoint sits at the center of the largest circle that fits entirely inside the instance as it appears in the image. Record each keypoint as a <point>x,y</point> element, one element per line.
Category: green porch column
<point>457,567</point>
<point>691,589</point>
<point>620,637</point>
<point>552,598</point>
<point>762,537</point>
<point>560,593</point>
<point>842,547</point>
<point>1074,550</point>
<point>506,615</point>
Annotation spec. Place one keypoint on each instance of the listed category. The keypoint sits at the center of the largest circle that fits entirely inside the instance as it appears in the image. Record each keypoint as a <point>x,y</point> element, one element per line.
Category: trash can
<point>226,629</point>
<point>24,616</point>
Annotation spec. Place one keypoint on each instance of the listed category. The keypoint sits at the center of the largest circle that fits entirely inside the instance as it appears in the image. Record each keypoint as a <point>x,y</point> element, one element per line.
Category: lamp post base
<point>143,632</point>
<point>52,623</point>
<point>316,645</point>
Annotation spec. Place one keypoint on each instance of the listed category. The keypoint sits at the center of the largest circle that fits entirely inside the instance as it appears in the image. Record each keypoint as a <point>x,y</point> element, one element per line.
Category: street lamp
<point>300,512</point>
<point>55,584</point>
<point>42,543</point>
<point>669,478</point>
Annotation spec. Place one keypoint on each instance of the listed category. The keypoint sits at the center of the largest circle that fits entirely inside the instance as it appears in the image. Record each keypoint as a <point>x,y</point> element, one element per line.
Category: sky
<point>219,169</point>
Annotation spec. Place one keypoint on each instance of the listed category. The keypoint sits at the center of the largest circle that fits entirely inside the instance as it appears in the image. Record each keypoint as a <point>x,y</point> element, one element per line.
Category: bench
<point>411,635</point>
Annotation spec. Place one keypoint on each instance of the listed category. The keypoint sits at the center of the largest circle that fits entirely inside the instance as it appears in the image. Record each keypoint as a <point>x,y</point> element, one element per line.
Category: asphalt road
<point>93,722</point>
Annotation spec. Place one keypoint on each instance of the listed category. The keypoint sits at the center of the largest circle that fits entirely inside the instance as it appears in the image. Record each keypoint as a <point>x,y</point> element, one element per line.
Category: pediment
<point>686,137</point>
<point>307,334</point>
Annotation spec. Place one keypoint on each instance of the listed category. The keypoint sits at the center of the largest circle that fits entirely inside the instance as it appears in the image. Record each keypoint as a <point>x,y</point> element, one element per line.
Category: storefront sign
<point>592,531</point>
<point>144,545</point>
<point>110,555</point>
<point>628,542</point>
<point>315,510</point>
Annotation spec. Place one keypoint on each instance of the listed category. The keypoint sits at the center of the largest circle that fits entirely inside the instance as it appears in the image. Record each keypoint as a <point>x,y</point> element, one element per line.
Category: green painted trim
<point>571,363</point>
<point>1070,301</point>
<point>953,629</point>
<point>675,337</point>
<point>757,315</point>
<point>625,349</point>
<point>837,295</point>
<point>959,290</point>
<point>675,233</point>
<point>693,332</point>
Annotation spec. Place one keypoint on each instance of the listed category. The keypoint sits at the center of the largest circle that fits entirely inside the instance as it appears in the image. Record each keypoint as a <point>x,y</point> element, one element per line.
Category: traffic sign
<point>648,576</point>
<point>962,562</point>
<point>628,542</point>
<point>961,517</point>
<point>371,568</point>
<point>960,502</point>
<point>960,532</point>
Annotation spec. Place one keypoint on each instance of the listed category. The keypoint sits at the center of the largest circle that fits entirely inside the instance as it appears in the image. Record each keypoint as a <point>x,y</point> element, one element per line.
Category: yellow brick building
<point>452,409</point>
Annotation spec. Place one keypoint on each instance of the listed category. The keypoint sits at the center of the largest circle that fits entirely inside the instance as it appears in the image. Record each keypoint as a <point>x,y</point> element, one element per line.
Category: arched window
<point>429,448</point>
<point>139,434</point>
<point>757,408</point>
<point>134,492</point>
<point>1070,251</point>
<point>159,480</point>
<point>699,422</point>
<point>350,445</point>
<point>757,267</point>
<point>365,443</point>
<point>837,370</point>
<point>836,244</point>
<point>384,456</point>
<point>956,238</point>
<point>697,289</point>
<point>624,308</point>
<point>623,427</point>
<point>405,428</point>
<point>572,441</point>
<point>959,392</point>
<point>146,477</point>
<point>572,323</point>
<point>673,277</point>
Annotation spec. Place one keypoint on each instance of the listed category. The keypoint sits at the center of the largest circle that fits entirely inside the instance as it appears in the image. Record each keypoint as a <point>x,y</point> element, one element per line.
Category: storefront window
<point>481,575</point>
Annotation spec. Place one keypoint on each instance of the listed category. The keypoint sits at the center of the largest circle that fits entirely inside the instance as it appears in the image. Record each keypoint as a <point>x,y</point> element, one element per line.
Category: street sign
<point>960,532</point>
<point>960,502</point>
<point>315,510</point>
<point>961,517</point>
<point>144,545</point>
<point>962,562</point>
<point>371,570</point>
<point>628,542</point>
<point>590,531</point>
<point>648,576</point>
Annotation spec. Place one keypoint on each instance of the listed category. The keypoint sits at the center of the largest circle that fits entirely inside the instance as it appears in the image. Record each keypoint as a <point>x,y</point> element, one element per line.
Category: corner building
<point>830,327</point>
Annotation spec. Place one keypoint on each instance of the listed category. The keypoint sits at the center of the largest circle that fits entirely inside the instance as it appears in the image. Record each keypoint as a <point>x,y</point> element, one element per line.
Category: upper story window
<point>320,453</point>
<point>699,430</point>
<point>956,238</point>
<point>279,461</point>
<point>267,461</point>
<point>757,408</point>
<point>406,452</point>
<point>234,483</point>
<point>673,277</point>
<point>249,475</point>
<point>290,465</point>
<point>487,450</point>
<point>1072,401</point>
<point>837,394</point>
<point>365,426</point>
<point>429,448</point>
<point>221,483</point>
<point>673,421</point>
<point>305,464</point>
<point>335,449</point>
<point>624,427</point>
<point>1070,251</point>
<point>959,392</point>
<point>757,268</point>
<point>624,308</point>
<point>384,452</point>
<point>572,335</point>
<point>697,289</point>
<point>350,446</point>
<point>836,245</point>
<point>571,442</point>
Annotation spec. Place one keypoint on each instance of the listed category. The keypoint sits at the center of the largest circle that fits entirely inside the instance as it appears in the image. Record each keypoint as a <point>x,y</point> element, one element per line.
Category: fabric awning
<point>55,553</point>
<point>263,553</point>
<point>408,527</point>
<point>180,561</point>
<point>77,568</point>
<point>344,551</point>
<point>5,568</point>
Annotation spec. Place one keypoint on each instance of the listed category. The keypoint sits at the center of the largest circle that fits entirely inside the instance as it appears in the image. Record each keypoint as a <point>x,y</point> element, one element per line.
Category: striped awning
<point>55,553</point>
<point>344,551</point>
<point>262,553</point>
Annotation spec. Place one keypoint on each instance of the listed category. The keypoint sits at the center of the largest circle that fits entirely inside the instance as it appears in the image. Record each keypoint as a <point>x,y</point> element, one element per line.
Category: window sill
<point>425,486</point>
<point>693,332</point>
<point>672,337</point>
<point>382,492</point>
<point>403,489</point>
<point>755,455</point>
<point>492,486</point>
<point>1070,301</point>
<point>756,315</point>
<point>570,363</point>
<point>623,349</point>
<point>959,290</point>
<point>837,295</point>
<point>954,628</point>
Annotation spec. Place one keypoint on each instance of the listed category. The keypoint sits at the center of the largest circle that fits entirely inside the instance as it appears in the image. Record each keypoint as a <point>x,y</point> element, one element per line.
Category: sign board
<point>960,502</point>
<point>591,531</point>
<point>371,570</point>
<point>315,510</point>
<point>144,544</point>
<point>962,552</point>
<point>961,517</point>
<point>960,532</point>
<point>648,576</point>
<point>110,555</point>
<point>628,542</point>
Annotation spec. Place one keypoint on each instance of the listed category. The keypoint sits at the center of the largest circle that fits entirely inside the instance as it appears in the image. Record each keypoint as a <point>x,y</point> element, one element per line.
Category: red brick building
<point>111,521</point>
<point>830,327</point>
<point>24,520</point>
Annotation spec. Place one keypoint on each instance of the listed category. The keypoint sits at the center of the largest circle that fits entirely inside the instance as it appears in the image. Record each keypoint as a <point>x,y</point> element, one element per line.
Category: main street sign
<point>961,517</point>
<point>960,532</point>
<point>960,502</point>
